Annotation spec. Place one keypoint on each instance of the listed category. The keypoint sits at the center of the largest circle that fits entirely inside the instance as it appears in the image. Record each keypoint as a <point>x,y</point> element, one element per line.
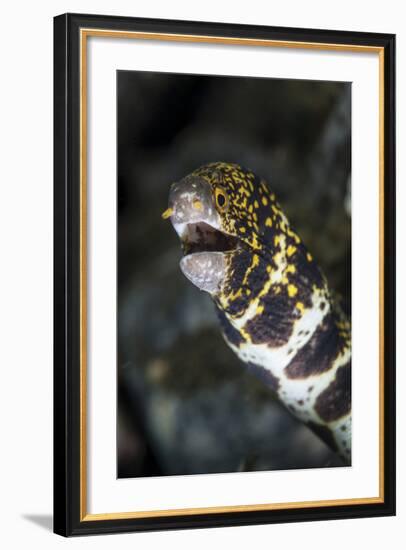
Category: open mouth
<point>202,237</point>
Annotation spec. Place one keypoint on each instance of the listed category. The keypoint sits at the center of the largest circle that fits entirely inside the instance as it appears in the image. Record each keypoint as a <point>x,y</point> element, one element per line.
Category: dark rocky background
<point>185,403</point>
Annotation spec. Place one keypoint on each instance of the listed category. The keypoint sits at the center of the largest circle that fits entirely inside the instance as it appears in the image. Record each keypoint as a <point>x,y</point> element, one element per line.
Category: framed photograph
<point>224,274</point>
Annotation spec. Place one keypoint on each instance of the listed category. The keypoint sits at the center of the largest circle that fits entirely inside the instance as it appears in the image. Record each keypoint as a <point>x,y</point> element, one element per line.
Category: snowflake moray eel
<point>275,308</point>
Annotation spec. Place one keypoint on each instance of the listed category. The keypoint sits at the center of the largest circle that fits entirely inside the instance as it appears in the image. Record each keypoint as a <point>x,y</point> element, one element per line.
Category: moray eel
<point>275,308</point>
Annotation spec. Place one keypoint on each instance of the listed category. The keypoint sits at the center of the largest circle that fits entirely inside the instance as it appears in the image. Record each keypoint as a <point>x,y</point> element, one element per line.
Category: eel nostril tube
<point>168,213</point>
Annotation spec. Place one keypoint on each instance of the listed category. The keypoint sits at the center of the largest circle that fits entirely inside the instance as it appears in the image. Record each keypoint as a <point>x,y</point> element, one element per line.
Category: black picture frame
<point>68,519</point>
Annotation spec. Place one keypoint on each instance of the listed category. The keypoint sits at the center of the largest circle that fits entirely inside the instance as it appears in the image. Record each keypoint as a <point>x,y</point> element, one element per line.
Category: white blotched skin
<point>295,392</point>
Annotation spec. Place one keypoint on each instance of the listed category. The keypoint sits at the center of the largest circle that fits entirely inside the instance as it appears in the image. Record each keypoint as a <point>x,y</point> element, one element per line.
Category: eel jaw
<point>206,270</point>
<point>206,251</point>
<point>199,226</point>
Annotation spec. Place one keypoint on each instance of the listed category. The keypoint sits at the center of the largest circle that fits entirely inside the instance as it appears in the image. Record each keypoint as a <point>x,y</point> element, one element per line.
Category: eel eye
<point>221,199</point>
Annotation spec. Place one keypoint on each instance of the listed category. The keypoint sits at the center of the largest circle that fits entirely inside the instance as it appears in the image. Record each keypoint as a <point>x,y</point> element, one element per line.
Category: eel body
<point>275,308</point>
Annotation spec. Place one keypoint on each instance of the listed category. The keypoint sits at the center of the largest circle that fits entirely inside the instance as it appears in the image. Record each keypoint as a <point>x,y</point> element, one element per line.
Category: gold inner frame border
<point>173,37</point>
